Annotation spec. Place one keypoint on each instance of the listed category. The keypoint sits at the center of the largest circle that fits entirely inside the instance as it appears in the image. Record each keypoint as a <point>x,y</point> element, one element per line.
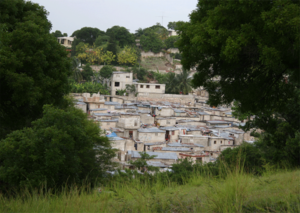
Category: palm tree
<point>172,83</point>
<point>185,82</point>
<point>76,71</point>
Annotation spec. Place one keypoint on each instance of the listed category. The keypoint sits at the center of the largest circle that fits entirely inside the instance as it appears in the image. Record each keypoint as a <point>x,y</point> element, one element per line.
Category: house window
<point>228,142</point>
<point>127,76</point>
<point>62,41</point>
<point>156,134</point>
<point>157,87</point>
<point>109,83</point>
<point>117,84</point>
<point>173,132</point>
<point>221,142</point>
<point>168,122</point>
<point>147,86</point>
<point>117,75</point>
<point>142,86</point>
<point>215,142</point>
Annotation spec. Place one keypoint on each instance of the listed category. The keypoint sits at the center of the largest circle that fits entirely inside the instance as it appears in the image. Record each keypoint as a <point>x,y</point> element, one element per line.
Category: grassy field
<point>238,192</point>
<point>156,63</point>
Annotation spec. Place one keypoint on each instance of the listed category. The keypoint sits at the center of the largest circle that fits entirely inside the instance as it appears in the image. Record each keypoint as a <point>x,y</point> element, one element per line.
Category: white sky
<point>70,15</point>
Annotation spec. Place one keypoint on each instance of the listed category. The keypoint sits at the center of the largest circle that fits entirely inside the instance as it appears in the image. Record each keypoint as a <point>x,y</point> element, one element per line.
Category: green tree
<point>102,41</point>
<point>121,35</point>
<point>172,83</point>
<point>57,33</point>
<point>172,25</point>
<point>87,35</point>
<point>106,71</point>
<point>77,76</point>
<point>128,55</point>
<point>184,82</point>
<point>151,41</point>
<point>139,32</point>
<point>170,42</point>
<point>61,148</point>
<point>141,163</point>
<point>87,72</point>
<point>253,47</point>
<point>34,68</point>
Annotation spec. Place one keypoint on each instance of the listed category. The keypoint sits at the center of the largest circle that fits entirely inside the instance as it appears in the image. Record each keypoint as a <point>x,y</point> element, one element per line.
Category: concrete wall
<point>151,54</point>
<point>166,122</point>
<point>107,125</point>
<point>196,139</point>
<point>151,136</point>
<point>134,133</point>
<point>96,105</point>
<point>129,123</point>
<point>118,144</point>
<point>183,99</point>
<point>83,107</point>
<point>147,119</point>
<point>150,88</point>
<point>119,100</point>
<point>173,50</point>
<point>122,79</point>
<point>166,112</point>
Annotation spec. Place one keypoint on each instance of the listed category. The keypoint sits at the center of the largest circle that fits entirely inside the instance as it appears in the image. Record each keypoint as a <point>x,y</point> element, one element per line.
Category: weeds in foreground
<point>232,190</point>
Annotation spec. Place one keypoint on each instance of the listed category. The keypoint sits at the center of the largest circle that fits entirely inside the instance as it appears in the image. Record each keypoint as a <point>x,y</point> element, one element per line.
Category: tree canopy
<point>150,41</point>
<point>172,25</point>
<point>87,35</point>
<point>252,47</point>
<point>34,68</point>
<point>63,147</point>
<point>121,35</point>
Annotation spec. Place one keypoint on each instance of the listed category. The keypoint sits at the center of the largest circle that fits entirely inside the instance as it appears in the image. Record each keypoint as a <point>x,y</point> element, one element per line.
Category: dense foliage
<point>34,68</point>
<point>88,87</point>
<point>63,147</point>
<point>150,41</point>
<point>253,47</point>
<point>121,35</point>
<point>87,35</point>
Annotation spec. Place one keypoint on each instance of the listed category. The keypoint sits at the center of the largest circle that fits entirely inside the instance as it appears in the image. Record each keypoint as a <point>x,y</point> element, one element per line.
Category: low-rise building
<point>151,134</point>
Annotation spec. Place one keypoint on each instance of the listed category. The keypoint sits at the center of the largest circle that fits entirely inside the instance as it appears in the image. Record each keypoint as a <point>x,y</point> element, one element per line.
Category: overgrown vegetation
<point>232,190</point>
<point>89,87</point>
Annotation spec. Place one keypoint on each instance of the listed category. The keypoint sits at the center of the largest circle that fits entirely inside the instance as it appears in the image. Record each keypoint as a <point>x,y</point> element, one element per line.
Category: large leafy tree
<point>128,55</point>
<point>253,48</point>
<point>170,42</point>
<point>61,148</point>
<point>121,35</point>
<point>150,41</point>
<point>87,35</point>
<point>34,68</point>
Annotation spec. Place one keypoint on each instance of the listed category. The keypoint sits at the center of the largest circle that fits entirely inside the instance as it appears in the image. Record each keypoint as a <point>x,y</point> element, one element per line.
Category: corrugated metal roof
<point>169,128</point>
<point>99,109</point>
<point>111,103</point>
<point>157,164</point>
<point>116,139</point>
<point>178,111</point>
<point>153,129</point>
<point>183,145</point>
<point>159,155</point>
<point>175,149</point>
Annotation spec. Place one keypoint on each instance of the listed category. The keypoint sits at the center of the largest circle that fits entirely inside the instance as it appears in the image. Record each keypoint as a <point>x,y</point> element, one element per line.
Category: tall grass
<point>232,190</point>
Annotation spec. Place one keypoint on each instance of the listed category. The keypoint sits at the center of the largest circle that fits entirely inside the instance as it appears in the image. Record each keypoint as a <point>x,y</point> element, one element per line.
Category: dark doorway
<point>131,134</point>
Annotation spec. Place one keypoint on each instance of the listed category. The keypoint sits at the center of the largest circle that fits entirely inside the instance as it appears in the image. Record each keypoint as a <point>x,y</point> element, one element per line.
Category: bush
<point>61,148</point>
<point>88,87</point>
